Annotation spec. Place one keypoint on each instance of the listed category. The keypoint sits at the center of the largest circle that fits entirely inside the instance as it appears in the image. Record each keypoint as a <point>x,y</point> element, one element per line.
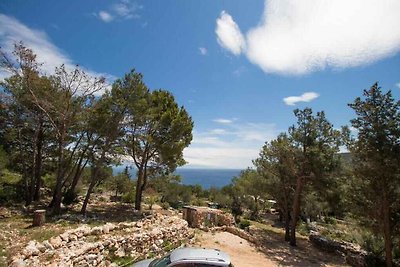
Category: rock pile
<point>353,254</point>
<point>94,246</point>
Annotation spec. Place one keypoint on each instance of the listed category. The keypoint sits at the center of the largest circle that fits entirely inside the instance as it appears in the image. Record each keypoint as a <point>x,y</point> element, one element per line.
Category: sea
<point>207,178</point>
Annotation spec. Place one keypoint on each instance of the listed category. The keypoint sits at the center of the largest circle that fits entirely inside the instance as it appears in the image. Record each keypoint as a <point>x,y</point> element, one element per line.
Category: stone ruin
<point>201,217</point>
<point>93,246</point>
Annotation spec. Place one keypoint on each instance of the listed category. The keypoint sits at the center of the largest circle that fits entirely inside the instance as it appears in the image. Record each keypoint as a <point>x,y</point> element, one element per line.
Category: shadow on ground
<point>304,254</point>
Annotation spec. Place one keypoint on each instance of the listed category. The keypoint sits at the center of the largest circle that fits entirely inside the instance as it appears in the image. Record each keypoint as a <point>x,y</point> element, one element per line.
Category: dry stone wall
<point>92,246</point>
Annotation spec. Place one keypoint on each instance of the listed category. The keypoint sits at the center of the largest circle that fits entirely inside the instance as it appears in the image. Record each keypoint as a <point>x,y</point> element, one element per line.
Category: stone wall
<point>200,217</point>
<point>354,255</point>
<point>92,246</point>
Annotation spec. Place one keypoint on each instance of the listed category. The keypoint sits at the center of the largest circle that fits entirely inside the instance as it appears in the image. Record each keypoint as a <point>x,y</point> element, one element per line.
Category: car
<point>189,257</point>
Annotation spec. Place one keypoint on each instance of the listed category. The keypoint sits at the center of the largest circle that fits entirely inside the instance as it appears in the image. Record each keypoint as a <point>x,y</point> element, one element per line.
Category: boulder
<point>120,252</point>
<point>47,245</point>
<point>30,250</point>
<point>97,230</point>
<point>56,242</point>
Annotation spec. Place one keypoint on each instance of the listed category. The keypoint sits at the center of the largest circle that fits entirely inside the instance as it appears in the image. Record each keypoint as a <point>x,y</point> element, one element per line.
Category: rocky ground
<point>100,245</point>
<point>113,235</point>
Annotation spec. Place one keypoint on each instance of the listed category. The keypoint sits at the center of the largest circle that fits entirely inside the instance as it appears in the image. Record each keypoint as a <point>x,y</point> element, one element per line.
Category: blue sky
<point>238,67</point>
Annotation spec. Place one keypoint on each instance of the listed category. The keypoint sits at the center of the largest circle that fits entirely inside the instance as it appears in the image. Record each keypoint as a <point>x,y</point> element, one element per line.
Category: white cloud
<point>203,51</point>
<point>105,16</point>
<point>124,9</point>
<point>229,35</point>
<point>223,121</point>
<point>398,85</point>
<point>13,31</point>
<point>299,37</point>
<point>218,131</point>
<point>306,97</point>
<point>234,147</point>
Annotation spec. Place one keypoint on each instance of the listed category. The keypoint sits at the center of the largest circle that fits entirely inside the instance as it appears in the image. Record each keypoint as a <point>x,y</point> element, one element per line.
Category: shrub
<point>165,205</point>
<point>129,197</point>
<point>70,197</point>
<point>243,224</point>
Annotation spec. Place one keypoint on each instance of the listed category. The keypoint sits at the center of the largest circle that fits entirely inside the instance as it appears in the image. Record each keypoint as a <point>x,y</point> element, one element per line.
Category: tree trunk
<point>387,233</point>
<point>139,187</point>
<point>296,210</point>
<point>89,191</point>
<point>77,175</point>
<point>38,166</point>
<point>287,225</point>
<point>57,196</point>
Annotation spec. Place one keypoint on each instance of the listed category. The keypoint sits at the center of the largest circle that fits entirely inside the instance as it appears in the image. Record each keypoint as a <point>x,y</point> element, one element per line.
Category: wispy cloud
<point>398,85</point>
<point>306,97</point>
<point>123,10</point>
<point>105,16</point>
<point>233,146</point>
<point>203,51</point>
<point>13,31</point>
<point>223,121</point>
<point>299,37</point>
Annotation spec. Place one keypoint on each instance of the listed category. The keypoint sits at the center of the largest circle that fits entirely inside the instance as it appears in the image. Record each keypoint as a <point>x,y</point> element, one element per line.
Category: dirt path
<point>241,252</point>
<point>276,253</point>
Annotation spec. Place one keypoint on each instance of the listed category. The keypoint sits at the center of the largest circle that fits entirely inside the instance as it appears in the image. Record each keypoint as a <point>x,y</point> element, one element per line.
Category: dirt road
<point>276,253</point>
<point>241,252</point>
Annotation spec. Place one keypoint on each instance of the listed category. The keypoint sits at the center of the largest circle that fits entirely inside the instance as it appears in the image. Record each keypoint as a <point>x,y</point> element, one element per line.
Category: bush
<point>243,224</point>
<point>330,220</point>
<point>11,187</point>
<point>129,197</point>
<point>165,205</point>
<point>70,197</point>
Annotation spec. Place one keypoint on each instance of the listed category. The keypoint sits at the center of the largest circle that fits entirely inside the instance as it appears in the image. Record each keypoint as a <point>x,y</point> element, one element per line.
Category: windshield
<point>163,262</point>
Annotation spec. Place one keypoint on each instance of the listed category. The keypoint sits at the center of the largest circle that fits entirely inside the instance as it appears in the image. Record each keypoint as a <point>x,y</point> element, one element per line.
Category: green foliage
<point>49,180</point>
<point>244,224</point>
<point>129,197</point>
<point>376,159</point>
<point>165,205</point>
<point>3,159</point>
<point>70,197</point>
<point>10,187</point>
<point>156,131</point>
<point>120,183</point>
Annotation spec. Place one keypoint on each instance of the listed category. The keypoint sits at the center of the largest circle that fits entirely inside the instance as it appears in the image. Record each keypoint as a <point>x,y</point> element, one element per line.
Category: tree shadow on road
<point>304,254</point>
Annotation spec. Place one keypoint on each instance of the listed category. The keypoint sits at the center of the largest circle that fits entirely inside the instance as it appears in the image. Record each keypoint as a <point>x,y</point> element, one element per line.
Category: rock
<point>154,247</point>
<point>30,250</point>
<point>42,248</point>
<point>120,252</point>
<point>100,258</point>
<point>47,245</point>
<point>56,242</point>
<point>73,237</point>
<point>97,230</point>
<point>18,263</point>
<point>106,229</point>
<point>64,237</point>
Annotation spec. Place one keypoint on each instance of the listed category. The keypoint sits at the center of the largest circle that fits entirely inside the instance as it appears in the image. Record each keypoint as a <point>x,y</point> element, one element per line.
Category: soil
<point>242,253</point>
<point>275,252</point>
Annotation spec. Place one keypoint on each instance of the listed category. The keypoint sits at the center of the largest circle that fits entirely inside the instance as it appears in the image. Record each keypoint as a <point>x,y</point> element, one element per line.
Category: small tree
<point>252,188</point>
<point>376,153</point>
<point>316,145</point>
<point>277,165</point>
<point>157,131</point>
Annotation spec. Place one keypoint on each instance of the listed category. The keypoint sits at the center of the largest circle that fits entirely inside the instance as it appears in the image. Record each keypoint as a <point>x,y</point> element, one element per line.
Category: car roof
<point>200,254</point>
